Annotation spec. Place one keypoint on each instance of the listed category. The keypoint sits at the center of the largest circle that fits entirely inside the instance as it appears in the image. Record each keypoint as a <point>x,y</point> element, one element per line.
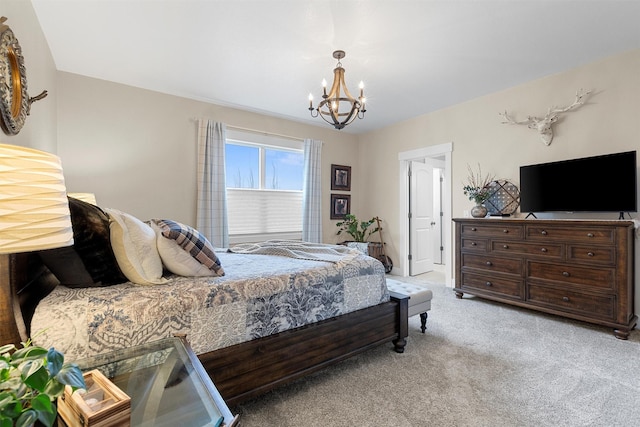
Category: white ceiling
<point>267,56</point>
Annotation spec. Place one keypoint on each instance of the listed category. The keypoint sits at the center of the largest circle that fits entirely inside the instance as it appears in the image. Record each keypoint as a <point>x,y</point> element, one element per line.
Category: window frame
<point>263,142</point>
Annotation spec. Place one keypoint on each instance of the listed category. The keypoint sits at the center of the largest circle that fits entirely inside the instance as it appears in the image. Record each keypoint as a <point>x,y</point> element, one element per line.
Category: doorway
<point>425,210</point>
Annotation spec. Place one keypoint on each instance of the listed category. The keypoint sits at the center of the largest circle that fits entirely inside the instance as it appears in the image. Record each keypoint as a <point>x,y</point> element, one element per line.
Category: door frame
<point>420,154</point>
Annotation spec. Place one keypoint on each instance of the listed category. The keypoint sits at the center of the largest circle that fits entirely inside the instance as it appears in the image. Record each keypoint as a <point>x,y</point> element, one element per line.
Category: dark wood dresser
<point>572,268</point>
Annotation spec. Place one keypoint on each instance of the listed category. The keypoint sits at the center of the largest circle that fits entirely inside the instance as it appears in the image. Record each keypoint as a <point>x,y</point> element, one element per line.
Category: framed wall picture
<point>341,177</point>
<point>340,205</point>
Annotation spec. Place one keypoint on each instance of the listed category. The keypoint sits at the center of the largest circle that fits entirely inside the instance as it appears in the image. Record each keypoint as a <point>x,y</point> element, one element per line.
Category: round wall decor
<point>504,198</point>
<point>14,100</point>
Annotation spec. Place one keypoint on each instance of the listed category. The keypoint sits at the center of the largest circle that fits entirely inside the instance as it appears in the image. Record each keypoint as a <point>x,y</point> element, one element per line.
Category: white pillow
<point>176,259</point>
<point>134,245</point>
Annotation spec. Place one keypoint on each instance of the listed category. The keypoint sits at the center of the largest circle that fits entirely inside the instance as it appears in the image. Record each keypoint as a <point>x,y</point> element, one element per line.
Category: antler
<point>543,124</point>
<point>580,99</point>
<point>510,121</point>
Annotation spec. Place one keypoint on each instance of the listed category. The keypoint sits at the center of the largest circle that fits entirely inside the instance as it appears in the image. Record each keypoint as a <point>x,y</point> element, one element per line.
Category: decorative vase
<point>479,211</point>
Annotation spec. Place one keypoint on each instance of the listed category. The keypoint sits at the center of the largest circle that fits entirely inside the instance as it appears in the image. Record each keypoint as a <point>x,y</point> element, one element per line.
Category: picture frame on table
<point>341,178</point>
<point>340,206</point>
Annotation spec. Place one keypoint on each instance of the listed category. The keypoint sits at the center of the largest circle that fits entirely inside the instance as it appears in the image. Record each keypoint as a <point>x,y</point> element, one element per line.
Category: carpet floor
<point>480,363</point>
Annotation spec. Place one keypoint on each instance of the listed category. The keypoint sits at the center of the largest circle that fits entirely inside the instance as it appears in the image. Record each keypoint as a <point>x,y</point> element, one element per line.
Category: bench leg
<point>423,321</point>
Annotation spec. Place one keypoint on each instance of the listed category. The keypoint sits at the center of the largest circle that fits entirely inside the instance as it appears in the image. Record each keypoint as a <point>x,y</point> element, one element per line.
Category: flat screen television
<point>605,183</point>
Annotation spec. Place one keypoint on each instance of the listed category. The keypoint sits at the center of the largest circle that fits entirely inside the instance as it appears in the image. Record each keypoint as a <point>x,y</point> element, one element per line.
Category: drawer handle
<point>590,254</point>
<point>589,234</point>
<point>489,263</point>
<point>565,299</point>
<point>505,231</point>
<point>566,274</point>
<point>489,284</point>
<point>505,246</point>
<point>473,229</point>
<point>543,232</point>
<point>473,243</point>
<point>544,250</point>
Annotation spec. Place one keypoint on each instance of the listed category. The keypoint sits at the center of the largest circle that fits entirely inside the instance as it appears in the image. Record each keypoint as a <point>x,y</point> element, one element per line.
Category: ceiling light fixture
<point>335,109</point>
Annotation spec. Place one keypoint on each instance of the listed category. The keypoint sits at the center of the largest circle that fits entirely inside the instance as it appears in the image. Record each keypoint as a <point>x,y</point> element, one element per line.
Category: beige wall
<point>136,149</point>
<point>609,122</point>
<point>39,130</point>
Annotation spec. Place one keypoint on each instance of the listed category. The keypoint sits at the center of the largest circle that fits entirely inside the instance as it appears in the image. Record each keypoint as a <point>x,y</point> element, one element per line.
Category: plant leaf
<point>71,375</point>
<point>45,410</point>
<point>54,388</point>
<point>42,403</point>
<point>5,422</point>
<point>27,418</point>
<point>5,400</point>
<point>55,360</point>
<point>35,375</point>
<point>28,353</point>
<point>47,418</point>
<point>6,348</point>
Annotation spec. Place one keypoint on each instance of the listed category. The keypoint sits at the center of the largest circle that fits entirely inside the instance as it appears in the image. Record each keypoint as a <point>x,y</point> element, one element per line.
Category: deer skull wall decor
<point>543,124</point>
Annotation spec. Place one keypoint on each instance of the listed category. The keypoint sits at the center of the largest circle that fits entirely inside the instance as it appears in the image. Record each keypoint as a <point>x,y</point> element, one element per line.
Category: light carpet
<point>480,363</point>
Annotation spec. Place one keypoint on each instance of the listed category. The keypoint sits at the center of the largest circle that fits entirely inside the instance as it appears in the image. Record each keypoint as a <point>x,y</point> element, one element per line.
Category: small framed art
<point>341,177</point>
<point>340,205</point>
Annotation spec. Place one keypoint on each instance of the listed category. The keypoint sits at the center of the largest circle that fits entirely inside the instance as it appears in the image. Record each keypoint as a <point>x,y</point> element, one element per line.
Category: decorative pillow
<point>184,250</point>
<point>134,245</point>
<point>67,266</point>
<point>91,253</point>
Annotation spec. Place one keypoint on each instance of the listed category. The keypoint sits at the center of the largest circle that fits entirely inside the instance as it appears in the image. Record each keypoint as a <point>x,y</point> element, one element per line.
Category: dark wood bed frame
<point>242,371</point>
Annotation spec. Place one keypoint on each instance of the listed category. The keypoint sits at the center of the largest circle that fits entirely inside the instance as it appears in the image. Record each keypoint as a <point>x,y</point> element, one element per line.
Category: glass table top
<point>166,384</point>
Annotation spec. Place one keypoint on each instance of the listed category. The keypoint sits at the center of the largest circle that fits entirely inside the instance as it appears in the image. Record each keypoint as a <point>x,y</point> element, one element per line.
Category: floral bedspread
<point>259,295</point>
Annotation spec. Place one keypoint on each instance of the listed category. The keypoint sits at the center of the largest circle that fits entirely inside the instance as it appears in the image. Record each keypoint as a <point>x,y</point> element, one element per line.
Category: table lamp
<point>34,216</point>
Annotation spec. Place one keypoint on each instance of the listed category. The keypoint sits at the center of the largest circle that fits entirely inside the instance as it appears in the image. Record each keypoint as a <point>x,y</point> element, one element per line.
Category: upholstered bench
<point>419,298</point>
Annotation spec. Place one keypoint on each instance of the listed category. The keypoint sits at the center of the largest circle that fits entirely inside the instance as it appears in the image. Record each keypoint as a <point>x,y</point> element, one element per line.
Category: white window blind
<point>256,215</point>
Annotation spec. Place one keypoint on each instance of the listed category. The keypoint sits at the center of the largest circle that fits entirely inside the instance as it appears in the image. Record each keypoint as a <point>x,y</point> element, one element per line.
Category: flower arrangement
<point>477,187</point>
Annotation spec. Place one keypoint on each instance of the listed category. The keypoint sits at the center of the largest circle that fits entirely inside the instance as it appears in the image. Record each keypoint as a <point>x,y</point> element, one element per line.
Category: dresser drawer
<point>477,245</point>
<point>488,263</point>
<point>602,278</point>
<point>507,231</point>
<point>600,306</point>
<point>592,254</point>
<point>510,288</point>
<point>553,250</point>
<point>600,235</point>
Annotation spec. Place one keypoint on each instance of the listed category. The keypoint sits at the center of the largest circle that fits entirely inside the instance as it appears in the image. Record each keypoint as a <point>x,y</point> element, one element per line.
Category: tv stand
<point>531,214</point>
<point>578,269</point>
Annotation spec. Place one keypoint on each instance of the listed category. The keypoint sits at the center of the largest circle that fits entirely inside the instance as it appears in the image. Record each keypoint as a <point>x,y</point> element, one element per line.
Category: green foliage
<point>31,378</point>
<point>359,230</point>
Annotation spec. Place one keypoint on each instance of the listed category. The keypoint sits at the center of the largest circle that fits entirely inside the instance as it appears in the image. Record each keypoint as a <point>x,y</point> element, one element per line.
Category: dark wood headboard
<point>24,281</point>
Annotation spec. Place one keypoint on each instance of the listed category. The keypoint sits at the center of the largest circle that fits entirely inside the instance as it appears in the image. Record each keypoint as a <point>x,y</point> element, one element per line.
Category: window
<point>264,176</point>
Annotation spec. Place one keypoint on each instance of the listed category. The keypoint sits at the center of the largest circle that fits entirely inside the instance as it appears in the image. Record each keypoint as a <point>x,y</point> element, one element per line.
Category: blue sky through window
<point>283,169</point>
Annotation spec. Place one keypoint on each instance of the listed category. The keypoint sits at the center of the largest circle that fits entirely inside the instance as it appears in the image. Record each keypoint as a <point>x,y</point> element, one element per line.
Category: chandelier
<point>335,108</point>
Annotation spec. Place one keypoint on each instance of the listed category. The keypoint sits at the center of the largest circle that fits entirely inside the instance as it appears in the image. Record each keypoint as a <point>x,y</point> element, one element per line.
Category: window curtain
<point>211,211</point>
<point>312,192</point>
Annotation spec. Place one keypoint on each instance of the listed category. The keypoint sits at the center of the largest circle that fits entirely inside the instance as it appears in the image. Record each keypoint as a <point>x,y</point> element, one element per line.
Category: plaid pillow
<point>192,241</point>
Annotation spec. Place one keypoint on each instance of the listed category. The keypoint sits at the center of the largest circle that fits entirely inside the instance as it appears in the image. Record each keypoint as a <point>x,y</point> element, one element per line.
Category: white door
<point>437,229</point>
<point>421,220</point>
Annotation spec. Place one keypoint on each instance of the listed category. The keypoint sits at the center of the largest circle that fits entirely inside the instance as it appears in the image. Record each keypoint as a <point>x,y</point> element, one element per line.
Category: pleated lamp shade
<point>34,209</point>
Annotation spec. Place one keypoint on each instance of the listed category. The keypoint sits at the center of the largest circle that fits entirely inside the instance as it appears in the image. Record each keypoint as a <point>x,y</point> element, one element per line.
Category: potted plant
<point>478,191</point>
<point>31,379</point>
<point>360,231</point>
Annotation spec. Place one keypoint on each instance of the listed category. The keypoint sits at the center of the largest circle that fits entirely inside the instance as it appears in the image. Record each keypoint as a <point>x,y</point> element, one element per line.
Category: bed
<point>268,320</point>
